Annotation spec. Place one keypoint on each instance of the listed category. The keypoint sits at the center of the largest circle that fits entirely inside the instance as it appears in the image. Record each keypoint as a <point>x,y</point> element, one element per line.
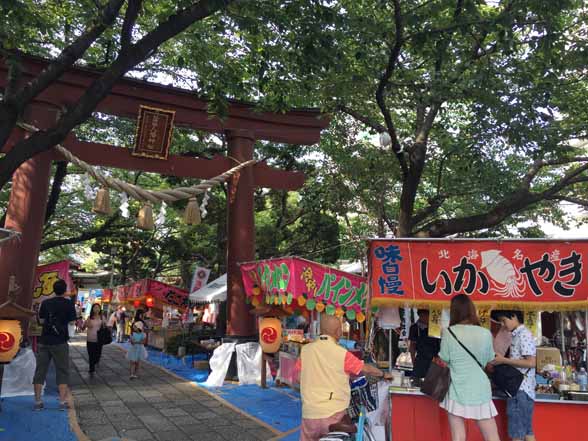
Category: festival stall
<point>45,278</point>
<point>302,289</point>
<point>165,303</point>
<point>208,298</point>
<point>527,275</point>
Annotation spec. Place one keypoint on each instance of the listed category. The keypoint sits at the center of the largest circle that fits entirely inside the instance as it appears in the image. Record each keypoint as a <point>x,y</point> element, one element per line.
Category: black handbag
<point>504,376</point>
<point>507,378</point>
<point>437,381</point>
<point>104,335</point>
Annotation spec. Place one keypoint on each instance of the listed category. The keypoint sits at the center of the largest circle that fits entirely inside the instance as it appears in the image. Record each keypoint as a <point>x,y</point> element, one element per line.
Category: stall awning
<point>214,292</point>
<point>160,291</point>
<point>533,274</point>
<point>294,281</point>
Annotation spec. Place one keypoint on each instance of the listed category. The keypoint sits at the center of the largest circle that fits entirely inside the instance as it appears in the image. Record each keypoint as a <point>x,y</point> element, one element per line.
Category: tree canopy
<point>450,117</point>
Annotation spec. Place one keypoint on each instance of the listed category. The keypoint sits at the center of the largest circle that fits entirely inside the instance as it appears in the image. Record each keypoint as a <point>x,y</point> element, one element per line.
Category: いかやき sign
<point>530,274</point>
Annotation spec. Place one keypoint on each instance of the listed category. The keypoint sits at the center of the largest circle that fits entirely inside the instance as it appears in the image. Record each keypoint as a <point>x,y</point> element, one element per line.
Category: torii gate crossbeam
<point>243,125</point>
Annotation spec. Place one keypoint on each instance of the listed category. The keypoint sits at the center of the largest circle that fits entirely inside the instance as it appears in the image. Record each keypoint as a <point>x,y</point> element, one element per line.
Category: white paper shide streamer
<point>203,205</point>
<point>161,216</point>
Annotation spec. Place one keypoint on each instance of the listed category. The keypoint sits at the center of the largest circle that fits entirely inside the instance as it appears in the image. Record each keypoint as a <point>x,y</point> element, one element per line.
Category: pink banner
<point>295,277</point>
<point>45,278</point>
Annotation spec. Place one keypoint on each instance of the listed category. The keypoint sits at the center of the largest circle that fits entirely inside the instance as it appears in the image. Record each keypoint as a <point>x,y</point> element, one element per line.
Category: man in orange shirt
<point>325,368</point>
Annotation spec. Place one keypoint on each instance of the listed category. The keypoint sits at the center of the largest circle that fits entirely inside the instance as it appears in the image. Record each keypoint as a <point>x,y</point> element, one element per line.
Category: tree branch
<point>131,14</point>
<point>44,140</point>
<point>363,119</point>
<point>58,178</point>
<point>14,103</point>
<point>104,230</point>
<point>384,82</point>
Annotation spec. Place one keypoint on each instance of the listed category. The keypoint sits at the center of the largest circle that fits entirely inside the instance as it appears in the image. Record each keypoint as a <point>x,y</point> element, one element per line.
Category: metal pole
<point>390,331</point>
<point>563,336</point>
<point>586,342</point>
<point>1,379</point>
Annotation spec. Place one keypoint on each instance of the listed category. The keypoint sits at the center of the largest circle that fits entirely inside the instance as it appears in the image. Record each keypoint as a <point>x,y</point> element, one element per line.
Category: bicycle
<point>364,399</point>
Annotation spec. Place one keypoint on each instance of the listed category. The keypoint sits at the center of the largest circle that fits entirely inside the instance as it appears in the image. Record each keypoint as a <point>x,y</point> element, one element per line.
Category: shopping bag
<point>437,381</point>
<point>104,335</point>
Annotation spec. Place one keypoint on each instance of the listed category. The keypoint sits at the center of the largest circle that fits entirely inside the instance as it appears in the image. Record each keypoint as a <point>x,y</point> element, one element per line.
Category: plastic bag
<point>18,375</point>
<point>381,415</point>
<point>219,364</point>
<point>249,363</point>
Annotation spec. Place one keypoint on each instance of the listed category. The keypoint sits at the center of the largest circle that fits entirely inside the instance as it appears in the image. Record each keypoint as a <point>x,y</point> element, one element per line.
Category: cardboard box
<point>548,356</point>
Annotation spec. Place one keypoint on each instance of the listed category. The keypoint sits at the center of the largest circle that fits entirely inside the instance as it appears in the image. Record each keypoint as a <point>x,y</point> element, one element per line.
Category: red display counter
<point>416,417</point>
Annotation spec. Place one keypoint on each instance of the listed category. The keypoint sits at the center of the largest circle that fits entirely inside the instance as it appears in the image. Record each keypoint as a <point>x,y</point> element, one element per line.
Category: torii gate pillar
<point>26,214</point>
<point>240,234</point>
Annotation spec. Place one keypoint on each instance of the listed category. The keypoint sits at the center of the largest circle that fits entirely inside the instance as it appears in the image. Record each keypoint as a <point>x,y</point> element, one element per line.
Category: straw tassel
<point>102,202</point>
<point>145,218</point>
<point>192,214</point>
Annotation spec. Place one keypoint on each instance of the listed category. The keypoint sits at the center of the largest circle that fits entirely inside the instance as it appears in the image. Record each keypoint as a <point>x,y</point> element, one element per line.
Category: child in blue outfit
<point>519,408</point>
<point>137,352</point>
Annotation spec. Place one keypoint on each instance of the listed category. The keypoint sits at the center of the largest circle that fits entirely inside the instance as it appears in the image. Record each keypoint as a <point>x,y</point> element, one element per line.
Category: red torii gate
<point>243,125</point>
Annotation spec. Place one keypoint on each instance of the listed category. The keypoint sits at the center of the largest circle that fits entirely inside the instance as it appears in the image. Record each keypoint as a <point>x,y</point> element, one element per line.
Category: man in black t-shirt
<point>422,347</point>
<point>55,314</point>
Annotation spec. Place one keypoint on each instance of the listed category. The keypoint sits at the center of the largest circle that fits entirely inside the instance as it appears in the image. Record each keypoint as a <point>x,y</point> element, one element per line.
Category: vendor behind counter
<point>422,347</point>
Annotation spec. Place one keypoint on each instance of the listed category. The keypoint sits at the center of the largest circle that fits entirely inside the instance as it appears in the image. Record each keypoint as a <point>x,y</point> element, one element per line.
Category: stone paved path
<point>157,406</point>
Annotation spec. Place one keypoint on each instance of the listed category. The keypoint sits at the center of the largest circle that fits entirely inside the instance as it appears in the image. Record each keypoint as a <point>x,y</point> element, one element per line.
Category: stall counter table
<point>416,417</point>
<point>288,373</point>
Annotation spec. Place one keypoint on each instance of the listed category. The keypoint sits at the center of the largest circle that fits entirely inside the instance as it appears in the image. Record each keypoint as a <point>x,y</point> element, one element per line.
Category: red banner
<point>532,274</point>
<point>293,277</point>
<point>45,278</point>
<point>158,290</point>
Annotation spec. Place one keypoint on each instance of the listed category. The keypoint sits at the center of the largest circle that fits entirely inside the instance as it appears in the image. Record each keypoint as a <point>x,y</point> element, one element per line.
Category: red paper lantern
<point>270,335</point>
<point>149,301</point>
<point>10,335</point>
<point>136,303</point>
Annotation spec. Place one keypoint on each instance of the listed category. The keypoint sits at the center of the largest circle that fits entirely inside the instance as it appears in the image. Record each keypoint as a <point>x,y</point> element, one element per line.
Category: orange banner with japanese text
<point>522,274</point>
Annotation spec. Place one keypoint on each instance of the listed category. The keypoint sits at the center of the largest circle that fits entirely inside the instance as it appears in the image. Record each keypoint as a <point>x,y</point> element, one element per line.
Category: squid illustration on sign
<point>507,280</point>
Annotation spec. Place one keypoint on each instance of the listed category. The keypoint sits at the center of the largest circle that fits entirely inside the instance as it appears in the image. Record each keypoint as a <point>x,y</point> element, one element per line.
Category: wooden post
<point>241,235</point>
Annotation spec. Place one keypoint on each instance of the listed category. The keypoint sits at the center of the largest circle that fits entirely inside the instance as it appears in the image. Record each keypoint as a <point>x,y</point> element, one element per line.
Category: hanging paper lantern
<point>136,303</point>
<point>10,335</point>
<point>289,298</point>
<point>277,300</point>
<point>339,312</point>
<point>270,334</point>
<point>310,304</point>
<point>330,309</point>
<point>350,314</point>
<point>149,301</point>
<point>283,300</point>
<point>255,301</point>
<point>375,309</point>
<point>145,218</point>
<point>320,307</point>
<point>360,317</point>
<point>192,213</point>
<point>256,290</point>
<point>301,301</point>
<point>102,202</point>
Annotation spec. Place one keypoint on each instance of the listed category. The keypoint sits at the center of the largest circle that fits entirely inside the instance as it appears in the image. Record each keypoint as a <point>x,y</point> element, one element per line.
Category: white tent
<point>214,292</point>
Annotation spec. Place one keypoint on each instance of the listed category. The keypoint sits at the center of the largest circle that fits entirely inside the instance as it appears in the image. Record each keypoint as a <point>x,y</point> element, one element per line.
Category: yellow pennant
<point>531,321</point>
<point>484,316</point>
<point>435,322</point>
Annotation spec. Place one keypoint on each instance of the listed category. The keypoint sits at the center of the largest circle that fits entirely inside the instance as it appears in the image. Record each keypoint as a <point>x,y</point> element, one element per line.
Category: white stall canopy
<point>214,292</point>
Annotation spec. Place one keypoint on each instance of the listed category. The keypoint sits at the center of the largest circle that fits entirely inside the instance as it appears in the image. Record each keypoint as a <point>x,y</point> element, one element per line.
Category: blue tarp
<point>18,421</point>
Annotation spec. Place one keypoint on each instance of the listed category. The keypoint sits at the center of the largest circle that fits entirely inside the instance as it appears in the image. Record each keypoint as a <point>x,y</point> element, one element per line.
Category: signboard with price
<point>525,274</point>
